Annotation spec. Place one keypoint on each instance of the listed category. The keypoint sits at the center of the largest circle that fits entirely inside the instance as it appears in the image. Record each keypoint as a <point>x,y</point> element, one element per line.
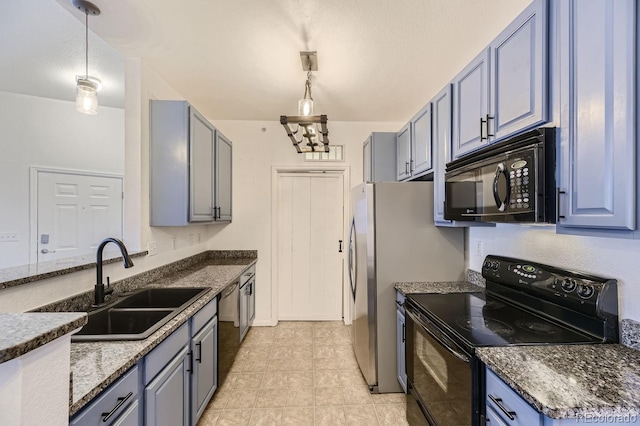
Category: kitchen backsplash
<point>630,333</point>
<point>475,277</point>
<point>83,301</point>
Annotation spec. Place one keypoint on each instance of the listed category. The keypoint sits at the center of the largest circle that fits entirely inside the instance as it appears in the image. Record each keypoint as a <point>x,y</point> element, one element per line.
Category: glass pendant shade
<point>86,97</point>
<point>305,107</point>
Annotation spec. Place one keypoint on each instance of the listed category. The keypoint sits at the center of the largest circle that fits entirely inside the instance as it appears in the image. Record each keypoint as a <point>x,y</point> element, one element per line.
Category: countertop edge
<point>155,340</point>
<point>47,335</point>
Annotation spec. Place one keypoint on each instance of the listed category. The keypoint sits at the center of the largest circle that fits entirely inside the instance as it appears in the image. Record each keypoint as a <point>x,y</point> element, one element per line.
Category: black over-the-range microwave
<point>511,181</point>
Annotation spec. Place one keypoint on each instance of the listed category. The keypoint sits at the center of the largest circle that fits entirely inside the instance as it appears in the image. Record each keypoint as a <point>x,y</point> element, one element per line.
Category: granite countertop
<point>437,287</point>
<point>571,381</point>
<point>22,333</point>
<point>95,365</point>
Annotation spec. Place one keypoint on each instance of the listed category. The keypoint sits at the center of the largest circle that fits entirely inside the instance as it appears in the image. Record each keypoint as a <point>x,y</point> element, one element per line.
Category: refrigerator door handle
<point>351,258</point>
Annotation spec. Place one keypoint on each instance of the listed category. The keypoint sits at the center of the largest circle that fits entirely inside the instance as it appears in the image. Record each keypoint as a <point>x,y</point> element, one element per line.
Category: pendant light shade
<point>87,87</point>
<point>86,97</point>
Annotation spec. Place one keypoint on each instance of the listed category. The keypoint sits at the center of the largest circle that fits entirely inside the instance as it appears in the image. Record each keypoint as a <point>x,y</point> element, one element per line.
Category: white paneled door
<point>75,212</point>
<point>310,227</point>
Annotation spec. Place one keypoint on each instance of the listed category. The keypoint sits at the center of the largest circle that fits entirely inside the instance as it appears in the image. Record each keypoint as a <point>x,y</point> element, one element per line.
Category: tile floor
<point>298,373</point>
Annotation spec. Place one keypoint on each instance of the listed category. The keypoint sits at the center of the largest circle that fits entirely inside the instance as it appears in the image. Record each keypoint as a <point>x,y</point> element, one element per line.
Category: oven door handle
<point>440,339</point>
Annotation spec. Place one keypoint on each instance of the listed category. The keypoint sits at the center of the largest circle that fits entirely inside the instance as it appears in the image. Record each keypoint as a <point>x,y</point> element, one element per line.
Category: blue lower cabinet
<point>167,396</point>
<point>204,379</point>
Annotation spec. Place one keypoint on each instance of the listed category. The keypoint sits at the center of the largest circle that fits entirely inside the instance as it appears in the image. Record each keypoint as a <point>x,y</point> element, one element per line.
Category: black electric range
<point>525,303</point>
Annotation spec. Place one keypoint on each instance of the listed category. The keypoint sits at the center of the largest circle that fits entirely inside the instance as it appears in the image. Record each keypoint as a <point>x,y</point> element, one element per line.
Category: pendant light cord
<point>86,44</point>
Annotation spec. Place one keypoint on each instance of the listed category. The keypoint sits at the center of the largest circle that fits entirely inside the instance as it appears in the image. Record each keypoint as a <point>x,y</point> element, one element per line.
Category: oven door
<point>443,378</point>
<point>498,189</point>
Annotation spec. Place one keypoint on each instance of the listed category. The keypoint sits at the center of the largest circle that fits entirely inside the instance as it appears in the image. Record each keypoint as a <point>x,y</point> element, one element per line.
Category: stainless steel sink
<point>138,315</point>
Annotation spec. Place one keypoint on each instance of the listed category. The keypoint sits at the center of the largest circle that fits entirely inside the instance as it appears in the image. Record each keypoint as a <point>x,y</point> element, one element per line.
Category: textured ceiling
<point>42,50</point>
<point>379,60</point>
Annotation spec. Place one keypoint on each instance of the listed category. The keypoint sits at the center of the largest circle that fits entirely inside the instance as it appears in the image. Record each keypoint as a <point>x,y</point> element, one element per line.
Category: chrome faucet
<point>101,291</point>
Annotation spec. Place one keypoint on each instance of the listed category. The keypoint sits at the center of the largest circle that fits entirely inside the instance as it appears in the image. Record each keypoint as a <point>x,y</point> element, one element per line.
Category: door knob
<point>45,251</point>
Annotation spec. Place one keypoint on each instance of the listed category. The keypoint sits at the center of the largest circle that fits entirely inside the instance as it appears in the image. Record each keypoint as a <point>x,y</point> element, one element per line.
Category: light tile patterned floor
<point>299,373</point>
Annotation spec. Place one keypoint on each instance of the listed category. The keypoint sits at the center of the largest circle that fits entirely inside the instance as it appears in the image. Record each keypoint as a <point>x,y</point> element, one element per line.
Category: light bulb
<point>305,107</point>
<point>86,97</point>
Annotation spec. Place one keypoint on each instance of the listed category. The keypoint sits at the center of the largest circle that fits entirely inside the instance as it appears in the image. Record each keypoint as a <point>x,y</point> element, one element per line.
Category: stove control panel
<point>566,288</point>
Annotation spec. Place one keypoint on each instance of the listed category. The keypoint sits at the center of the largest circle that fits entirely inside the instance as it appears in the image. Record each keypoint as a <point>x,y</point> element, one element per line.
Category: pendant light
<point>86,86</point>
<point>310,126</point>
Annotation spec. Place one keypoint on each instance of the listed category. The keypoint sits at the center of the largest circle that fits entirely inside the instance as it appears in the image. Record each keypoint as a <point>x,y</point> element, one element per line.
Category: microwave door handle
<point>501,204</point>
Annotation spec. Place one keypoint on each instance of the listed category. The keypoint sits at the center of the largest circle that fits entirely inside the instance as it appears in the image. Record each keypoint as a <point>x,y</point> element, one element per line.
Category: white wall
<point>48,133</point>
<point>608,257</point>
<point>255,152</point>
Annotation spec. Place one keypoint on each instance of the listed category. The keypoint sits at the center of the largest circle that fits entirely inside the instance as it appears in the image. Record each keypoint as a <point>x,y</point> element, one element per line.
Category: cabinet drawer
<point>120,394</point>
<point>247,275</point>
<point>500,394</point>
<point>158,358</point>
<point>204,315</point>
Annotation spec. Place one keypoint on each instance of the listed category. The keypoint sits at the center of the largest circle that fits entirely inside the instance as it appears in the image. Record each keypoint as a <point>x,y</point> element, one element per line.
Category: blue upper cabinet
<point>470,106</point>
<point>519,74</point>
<point>421,143</point>
<point>403,153</point>
<point>504,90</point>
<point>414,146</point>
<point>598,77</point>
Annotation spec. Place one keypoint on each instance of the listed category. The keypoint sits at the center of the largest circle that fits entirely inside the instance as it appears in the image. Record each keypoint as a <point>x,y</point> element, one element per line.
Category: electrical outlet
<point>6,237</point>
<point>173,243</point>
<point>479,249</point>
<point>153,248</point>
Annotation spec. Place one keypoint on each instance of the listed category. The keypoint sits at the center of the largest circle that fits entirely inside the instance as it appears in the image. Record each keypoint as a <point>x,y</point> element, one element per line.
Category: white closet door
<point>75,212</point>
<point>310,225</point>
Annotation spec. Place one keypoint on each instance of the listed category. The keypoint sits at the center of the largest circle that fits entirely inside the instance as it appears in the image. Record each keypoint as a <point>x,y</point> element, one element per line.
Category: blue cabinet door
<point>421,142</point>
<point>204,379</point>
<point>597,170</point>
<point>519,74</point>
<point>441,113</point>
<point>167,396</point>
<point>403,151</point>
<point>470,106</point>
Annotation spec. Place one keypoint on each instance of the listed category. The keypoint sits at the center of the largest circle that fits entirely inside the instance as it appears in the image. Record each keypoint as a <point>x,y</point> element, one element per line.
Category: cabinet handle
<point>482,138</point>
<point>219,212</point>
<point>339,246</point>
<point>406,167</point>
<point>558,192</point>
<point>489,135</point>
<point>411,166</point>
<point>190,369</point>
<point>121,400</point>
<point>403,335</point>
<point>199,358</point>
<point>498,402</point>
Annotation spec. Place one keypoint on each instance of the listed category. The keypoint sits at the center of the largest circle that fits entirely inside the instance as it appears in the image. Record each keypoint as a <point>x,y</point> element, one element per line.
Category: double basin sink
<point>138,315</point>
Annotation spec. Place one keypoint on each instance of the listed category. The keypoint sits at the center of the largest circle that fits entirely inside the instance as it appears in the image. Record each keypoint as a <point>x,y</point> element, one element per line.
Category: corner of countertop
<point>24,332</point>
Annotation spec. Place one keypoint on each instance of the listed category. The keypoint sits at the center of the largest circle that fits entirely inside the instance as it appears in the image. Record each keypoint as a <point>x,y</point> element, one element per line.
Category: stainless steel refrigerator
<point>392,238</point>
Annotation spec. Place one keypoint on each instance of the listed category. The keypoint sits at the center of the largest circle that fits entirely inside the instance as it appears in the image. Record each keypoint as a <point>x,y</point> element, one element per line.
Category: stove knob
<point>569,285</point>
<point>487,264</point>
<point>495,266</point>
<point>586,290</point>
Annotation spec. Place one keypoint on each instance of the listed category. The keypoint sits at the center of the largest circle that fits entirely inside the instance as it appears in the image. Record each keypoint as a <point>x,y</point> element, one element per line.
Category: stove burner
<point>536,327</point>
<point>485,325</point>
<point>493,304</point>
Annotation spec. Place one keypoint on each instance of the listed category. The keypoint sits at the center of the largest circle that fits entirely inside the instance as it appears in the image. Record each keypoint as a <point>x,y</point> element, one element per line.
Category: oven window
<point>441,380</point>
